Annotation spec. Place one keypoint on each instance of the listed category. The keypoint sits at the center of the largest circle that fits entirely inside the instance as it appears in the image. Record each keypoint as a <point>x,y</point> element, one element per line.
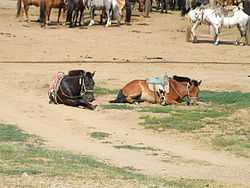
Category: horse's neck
<point>174,92</point>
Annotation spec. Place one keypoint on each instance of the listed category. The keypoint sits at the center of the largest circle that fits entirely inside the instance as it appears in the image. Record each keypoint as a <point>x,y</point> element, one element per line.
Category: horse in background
<point>216,20</point>
<point>75,89</point>
<point>179,88</point>
<point>26,4</point>
<point>45,9</point>
<point>74,7</point>
<point>109,8</point>
<point>246,7</point>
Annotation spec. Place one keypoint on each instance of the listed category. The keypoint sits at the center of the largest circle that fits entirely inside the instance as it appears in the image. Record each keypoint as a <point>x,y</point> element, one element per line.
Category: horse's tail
<point>18,8</point>
<point>120,98</point>
<point>42,11</point>
<point>248,31</point>
<point>188,31</point>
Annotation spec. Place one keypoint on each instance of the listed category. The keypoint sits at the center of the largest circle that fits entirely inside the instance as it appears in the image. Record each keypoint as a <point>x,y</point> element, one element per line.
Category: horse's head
<point>89,85</point>
<point>181,87</point>
<point>193,91</point>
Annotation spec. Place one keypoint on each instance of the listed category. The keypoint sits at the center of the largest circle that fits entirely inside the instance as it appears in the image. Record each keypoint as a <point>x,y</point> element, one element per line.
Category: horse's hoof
<point>93,107</point>
<point>91,23</point>
<point>195,40</point>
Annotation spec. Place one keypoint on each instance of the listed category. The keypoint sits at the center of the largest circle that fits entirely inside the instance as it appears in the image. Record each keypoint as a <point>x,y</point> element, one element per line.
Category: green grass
<point>236,98</point>
<point>212,117</point>
<point>232,143</point>
<point>105,91</point>
<point>117,106</point>
<point>21,157</point>
<point>138,148</point>
<point>99,135</point>
<point>10,133</point>
<point>180,119</point>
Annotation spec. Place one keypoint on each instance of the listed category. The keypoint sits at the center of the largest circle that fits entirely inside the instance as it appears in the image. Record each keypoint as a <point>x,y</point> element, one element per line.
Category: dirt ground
<point>24,102</point>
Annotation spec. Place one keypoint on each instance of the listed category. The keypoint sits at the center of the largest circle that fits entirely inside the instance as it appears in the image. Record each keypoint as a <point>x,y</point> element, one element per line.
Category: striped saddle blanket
<point>54,86</point>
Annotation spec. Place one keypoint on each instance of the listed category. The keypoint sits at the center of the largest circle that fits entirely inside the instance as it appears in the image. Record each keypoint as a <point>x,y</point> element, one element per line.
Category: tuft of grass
<point>10,133</point>
<point>99,135</point>
<point>105,91</point>
<point>117,106</point>
<point>157,109</point>
<point>232,143</point>
<point>18,158</point>
<point>182,120</point>
<point>130,147</point>
<point>236,98</point>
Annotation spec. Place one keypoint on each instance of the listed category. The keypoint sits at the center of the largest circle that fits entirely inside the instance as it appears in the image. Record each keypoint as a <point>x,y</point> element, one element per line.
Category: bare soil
<point>24,102</point>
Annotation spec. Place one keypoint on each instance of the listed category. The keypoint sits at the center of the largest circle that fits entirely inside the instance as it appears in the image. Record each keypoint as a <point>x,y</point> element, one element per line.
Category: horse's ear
<point>93,74</point>
<point>199,83</point>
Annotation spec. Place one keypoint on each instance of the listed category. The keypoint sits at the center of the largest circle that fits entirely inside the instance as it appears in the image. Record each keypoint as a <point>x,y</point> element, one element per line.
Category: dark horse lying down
<point>75,89</point>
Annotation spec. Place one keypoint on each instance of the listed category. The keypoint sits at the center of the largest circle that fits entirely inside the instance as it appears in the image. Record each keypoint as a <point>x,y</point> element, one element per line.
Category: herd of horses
<point>111,9</point>
<point>77,89</point>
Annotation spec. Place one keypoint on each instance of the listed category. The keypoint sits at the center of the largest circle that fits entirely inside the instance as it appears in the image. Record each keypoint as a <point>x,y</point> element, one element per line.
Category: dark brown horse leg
<point>80,19</point>
<point>78,102</point>
<point>130,99</point>
<point>26,10</point>
<point>171,101</point>
<point>59,15</point>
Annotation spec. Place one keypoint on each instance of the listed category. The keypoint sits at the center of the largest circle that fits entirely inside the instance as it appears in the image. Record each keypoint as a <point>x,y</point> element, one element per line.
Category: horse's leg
<point>59,15</point>
<point>92,15</point>
<point>170,101</point>
<point>216,36</point>
<point>193,34</point>
<point>81,14</point>
<point>109,16</point>
<point>63,15</point>
<point>86,104</point>
<point>26,10</point>
<point>242,34</point>
<point>78,102</point>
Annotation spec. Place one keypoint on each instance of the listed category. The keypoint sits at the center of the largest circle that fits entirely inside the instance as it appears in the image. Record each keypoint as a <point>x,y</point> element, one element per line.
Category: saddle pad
<point>155,80</point>
<point>96,3</point>
<point>157,84</point>
<point>54,86</point>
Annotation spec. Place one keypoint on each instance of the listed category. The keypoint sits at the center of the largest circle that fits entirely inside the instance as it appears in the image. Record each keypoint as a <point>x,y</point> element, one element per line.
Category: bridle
<point>187,90</point>
<point>83,90</point>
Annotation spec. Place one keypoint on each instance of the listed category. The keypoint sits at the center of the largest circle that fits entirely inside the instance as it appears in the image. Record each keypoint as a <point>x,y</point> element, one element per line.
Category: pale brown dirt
<point>23,91</point>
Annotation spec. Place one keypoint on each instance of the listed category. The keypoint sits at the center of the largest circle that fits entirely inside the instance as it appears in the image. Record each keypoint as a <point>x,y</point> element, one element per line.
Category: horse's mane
<point>186,79</point>
<point>76,72</point>
<point>181,79</point>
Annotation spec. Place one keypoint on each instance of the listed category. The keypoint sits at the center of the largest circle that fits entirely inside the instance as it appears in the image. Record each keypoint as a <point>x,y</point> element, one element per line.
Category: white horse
<point>109,7</point>
<point>216,19</point>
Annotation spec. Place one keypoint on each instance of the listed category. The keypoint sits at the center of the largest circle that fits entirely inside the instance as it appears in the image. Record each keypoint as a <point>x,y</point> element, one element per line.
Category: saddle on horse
<point>54,86</point>
<point>158,84</point>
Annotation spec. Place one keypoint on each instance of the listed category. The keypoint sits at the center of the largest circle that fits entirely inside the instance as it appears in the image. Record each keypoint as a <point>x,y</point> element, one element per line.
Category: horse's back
<point>134,86</point>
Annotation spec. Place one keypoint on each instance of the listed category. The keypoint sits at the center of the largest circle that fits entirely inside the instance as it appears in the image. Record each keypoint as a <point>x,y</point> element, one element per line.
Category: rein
<point>83,90</point>
<point>188,93</point>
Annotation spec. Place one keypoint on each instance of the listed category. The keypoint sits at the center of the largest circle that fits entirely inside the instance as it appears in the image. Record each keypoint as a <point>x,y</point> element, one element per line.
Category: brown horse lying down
<point>179,87</point>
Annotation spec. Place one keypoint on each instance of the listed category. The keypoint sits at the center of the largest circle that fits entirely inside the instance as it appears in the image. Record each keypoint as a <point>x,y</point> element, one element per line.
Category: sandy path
<point>24,102</point>
<point>161,37</point>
